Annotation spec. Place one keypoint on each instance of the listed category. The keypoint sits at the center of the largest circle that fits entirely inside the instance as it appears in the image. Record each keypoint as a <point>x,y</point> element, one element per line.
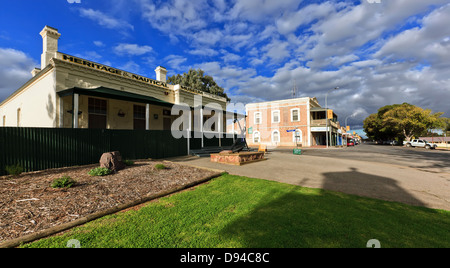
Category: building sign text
<point>111,70</point>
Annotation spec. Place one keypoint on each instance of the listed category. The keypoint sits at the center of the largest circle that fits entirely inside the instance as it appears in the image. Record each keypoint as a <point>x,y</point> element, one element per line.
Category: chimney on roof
<point>50,38</point>
<point>35,71</point>
<point>161,74</point>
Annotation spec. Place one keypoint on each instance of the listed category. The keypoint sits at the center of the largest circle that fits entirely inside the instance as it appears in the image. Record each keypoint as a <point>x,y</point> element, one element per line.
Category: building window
<point>4,120</point>
<point>97,113</point>
<point>139,117</point>
<point>275,136</point>
<point>276,116</point>
<point>295,115</point>
<point>258,119</point>
<point>256,137</point>
<point>18,117</point>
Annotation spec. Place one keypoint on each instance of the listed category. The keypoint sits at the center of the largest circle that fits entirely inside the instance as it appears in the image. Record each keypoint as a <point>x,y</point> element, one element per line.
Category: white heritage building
<point>70,92</point>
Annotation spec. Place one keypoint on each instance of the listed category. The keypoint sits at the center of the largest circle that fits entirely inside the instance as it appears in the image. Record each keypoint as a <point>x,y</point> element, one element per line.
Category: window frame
<point>98,106</point>
<point>279,116</point>
<point>97,112</point>
<point>292,114</point>
<point>272,137</point>
<point>139,116</point>
<point>257,115</point>
<point>256,134</point>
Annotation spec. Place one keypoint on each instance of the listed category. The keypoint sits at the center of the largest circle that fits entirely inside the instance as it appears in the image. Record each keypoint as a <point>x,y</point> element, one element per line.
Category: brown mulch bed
<point>29,204</point>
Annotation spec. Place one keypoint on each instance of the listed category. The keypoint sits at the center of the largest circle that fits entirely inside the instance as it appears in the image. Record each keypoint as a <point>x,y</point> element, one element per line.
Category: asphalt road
<point>437,161</point>
<point>409,175</point>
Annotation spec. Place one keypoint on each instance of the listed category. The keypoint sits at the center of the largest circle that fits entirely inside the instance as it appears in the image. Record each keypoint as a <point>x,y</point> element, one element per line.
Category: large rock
<point>112,161</point>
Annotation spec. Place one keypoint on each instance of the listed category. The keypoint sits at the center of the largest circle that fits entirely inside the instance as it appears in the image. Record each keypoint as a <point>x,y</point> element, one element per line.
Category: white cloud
<point>426,43</point>
<point>366,63</point>
<point>15,70</point>
<point>90,55</point>
<point>277,51</point>
<point>131,66</point>
<point>175,62</point>
<point>230,57</point>
<point>262,10</point>
<point>340,60</point>
<point>106,20</point>
<point>257,49</point>
<point>132,49</point>
<point>238,41</point>
<point>193,21</point>
<point>99,43</point>
<point>227,76</point>
<point>255,61</point>
<point>206,37</point>
<point>175,16</point>
<point>203,52</point>
<point>290,21</point>
<point>351,27</point>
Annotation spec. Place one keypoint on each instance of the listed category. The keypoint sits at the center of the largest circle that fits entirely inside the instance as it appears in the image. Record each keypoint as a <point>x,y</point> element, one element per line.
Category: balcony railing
<point>319,122</point>
<point>323,122</point>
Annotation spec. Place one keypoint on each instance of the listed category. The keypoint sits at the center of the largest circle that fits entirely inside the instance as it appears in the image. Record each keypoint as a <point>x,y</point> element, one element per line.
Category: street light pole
<point>326,113</point>
<point>347,118</point>
<point>346,127</point>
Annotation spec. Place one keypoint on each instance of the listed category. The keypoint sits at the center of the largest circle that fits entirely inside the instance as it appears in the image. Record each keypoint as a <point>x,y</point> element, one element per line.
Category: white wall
<point>37,104</point>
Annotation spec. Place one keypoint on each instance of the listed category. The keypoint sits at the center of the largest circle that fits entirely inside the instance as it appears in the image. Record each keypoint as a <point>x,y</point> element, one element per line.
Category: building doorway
<point>167,123</point>
<point>319,138</point>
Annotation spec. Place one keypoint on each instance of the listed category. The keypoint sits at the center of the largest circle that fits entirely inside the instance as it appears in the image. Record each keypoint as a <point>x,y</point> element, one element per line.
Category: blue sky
<point>377,53</point>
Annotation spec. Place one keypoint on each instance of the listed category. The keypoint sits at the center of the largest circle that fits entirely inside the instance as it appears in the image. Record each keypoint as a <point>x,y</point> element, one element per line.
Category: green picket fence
<point>44,148</point>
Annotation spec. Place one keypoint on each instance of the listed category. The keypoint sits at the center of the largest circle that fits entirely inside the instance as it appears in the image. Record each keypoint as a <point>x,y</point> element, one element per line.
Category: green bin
<point>297,151</point>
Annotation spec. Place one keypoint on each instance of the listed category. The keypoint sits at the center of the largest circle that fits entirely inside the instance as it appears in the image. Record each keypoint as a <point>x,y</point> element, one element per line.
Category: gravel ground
<point>29,204</point>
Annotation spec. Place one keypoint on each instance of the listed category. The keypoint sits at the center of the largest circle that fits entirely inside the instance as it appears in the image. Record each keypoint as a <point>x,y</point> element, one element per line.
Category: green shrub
<point>14,169</point>
<point>160,166</point>
<point>64,182</point>
<point>100,171</point>
<point>128,162</point>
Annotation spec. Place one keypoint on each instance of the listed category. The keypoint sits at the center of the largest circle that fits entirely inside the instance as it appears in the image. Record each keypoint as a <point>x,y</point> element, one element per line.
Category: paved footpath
<point>372,179</point>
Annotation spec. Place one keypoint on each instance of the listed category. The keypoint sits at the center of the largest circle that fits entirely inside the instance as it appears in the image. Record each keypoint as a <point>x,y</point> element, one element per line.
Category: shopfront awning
<point>110,93</point>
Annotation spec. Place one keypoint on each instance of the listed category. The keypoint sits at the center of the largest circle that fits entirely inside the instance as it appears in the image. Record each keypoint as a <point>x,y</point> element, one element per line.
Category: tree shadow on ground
<point>355,182</point>
<point>305,217</point>
<point>424,159</point>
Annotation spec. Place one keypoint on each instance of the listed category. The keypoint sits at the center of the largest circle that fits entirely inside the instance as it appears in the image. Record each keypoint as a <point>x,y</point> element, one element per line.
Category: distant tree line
<point>196,79</point>
<point>403,122</point>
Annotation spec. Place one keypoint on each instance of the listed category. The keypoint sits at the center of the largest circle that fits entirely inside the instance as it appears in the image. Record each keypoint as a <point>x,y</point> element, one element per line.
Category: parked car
<point>350,142</point>
<point>421,143</point>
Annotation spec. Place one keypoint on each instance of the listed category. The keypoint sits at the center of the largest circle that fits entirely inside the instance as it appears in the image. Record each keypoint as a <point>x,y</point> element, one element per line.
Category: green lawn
<point>233,211</point>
